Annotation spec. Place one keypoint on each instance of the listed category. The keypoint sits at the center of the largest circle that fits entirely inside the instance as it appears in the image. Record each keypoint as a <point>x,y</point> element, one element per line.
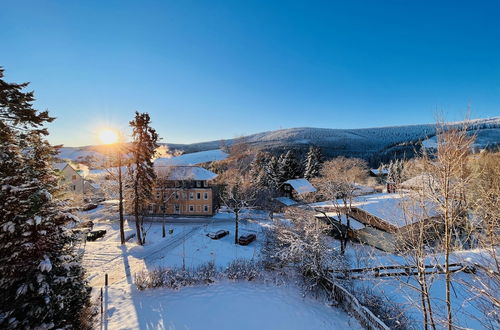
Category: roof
<point>60,166</point>
<point>397,209</point>
<point>286,201</point>
<point>186,172</point>
<point>301,186</point>
<point>376,171</point>
<point>353,223</point>
<point>193,158</point>
<point>419,182</point>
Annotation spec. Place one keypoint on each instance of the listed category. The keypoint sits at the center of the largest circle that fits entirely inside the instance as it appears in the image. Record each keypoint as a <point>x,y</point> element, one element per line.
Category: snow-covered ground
<point>400,290</point>
<point>224,305</point>
<point>227,305</point>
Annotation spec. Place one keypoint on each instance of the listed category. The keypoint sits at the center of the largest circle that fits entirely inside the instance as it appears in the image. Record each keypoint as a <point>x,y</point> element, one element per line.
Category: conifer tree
<point>313,163</point>
<point>272,169</point>
<point>258,174</point>
<point>289,167</point>
<point>142,173</point>
<point>41,281</point>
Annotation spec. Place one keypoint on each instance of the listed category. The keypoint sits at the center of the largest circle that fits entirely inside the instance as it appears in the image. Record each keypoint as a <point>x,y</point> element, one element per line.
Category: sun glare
<point>108,136</point>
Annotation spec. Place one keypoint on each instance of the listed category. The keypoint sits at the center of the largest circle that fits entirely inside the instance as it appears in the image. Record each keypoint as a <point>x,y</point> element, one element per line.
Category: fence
<point>351,305</point>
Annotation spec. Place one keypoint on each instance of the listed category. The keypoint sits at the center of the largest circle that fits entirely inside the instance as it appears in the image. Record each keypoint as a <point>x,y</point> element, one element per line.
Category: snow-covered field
<point>227,305</point>
<point>223,305</point>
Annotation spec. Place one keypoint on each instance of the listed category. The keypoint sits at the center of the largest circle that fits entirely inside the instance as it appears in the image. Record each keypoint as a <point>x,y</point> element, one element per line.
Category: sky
<point>209,70</point>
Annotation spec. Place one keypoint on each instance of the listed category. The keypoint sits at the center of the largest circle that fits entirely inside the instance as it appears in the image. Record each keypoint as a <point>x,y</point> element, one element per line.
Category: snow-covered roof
<point>397,209</point>
<point>421,181</point>
<point>186,172</point>
<point>362,190</point>
<point>60,166</point>
<point>376,171</point>
<point>286,201</point>
<point>353,223</point>
<point>301,186</point>
<point>193,158</point>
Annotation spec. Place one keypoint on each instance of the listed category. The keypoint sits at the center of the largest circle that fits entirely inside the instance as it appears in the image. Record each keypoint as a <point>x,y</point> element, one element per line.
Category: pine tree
<point>258,174</point>
<point>41,279</point>
<point>142,172</point>
<point>313,163</point>
<point>272,169</point>
<point>289,167</point>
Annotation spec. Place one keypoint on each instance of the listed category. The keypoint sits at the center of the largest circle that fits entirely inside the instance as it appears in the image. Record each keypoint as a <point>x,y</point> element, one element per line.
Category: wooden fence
<point>351,305</point>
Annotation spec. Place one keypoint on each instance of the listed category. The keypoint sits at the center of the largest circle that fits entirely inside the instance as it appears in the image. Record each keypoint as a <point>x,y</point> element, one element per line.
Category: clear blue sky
<point>217,69</point>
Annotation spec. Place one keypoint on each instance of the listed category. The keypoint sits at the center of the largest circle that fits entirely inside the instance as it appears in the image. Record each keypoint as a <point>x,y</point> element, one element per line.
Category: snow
<point>185,172</point>
<point>391,208</point>
<point>301,186</point>
<point>377,172</point>
<point>224,306</point>
<point>421,181</point>
<point>193,158</point>
<point>353,223</point>
<point>286,201</point>
<point>59,166</point>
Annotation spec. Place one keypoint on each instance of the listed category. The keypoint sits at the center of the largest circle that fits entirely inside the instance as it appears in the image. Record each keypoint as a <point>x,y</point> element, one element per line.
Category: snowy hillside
<point>373,144</point>
<point>193,158</point>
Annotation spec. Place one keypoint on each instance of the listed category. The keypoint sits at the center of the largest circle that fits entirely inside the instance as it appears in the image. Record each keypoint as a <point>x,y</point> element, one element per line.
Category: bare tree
<point>113,164</point>
<point>450,178</point>
<point>338,182</point>
<point>238,194</point>
<point>162,192</point>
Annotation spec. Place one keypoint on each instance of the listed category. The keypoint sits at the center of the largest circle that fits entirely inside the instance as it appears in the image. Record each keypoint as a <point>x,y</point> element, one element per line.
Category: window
<point>191,195</point>
<point>74,187</point>
<point>151,208</point>
<point>158,195</point>
<point>176,195</point>
<point>177,208</point>
<point>198,195</point>
<point>184,195</point>
<point>205,184</point>
<point>198,184</point>
<point>205,195</point>
<point>73,177</point>
<point>191,208</point>
<point>163,208</point>
<point>205,208</point>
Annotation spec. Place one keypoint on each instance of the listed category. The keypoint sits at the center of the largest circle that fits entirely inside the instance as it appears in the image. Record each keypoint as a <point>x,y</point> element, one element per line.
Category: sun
<point>108,136</point>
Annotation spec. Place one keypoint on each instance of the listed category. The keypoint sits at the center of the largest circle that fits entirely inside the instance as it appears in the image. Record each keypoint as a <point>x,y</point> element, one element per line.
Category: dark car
<point>246,239</point>
<point>219,234</point>
<point>94,235</point>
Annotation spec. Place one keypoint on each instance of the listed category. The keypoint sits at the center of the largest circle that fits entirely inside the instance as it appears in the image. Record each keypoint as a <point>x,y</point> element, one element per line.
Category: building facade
<point>73,181</point>
<point>183,190</point>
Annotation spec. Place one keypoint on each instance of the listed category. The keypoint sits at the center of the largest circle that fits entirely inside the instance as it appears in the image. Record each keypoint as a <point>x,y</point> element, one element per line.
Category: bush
<point>176,278</point>
<point>388,312</point>
<point>241,269</point>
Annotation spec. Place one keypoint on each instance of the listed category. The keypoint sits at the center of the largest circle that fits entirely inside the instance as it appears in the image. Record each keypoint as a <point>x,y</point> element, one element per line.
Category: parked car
<point>218,234</point>
<point>247,239</point>
<point>94,235</point>
<point>89,206</point>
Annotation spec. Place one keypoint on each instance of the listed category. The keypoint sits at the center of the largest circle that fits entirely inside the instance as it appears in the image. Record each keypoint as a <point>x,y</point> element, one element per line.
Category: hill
<point>373,144</point>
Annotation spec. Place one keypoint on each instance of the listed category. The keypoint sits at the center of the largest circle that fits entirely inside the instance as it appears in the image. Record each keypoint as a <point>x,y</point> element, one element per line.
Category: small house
<point>297,186</point>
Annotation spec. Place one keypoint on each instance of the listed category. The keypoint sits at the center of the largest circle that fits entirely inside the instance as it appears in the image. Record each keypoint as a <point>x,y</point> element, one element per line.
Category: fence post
<point>106,279</point>
<point>102,308</point>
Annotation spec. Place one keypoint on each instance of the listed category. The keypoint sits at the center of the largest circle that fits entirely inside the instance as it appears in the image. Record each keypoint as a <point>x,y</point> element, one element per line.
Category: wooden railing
<point>351,305</point>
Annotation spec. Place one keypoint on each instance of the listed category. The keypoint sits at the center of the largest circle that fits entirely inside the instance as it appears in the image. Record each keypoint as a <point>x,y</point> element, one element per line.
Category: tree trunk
<point>236,213</point>
<point>120,203</point>
<point>138,226</point>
